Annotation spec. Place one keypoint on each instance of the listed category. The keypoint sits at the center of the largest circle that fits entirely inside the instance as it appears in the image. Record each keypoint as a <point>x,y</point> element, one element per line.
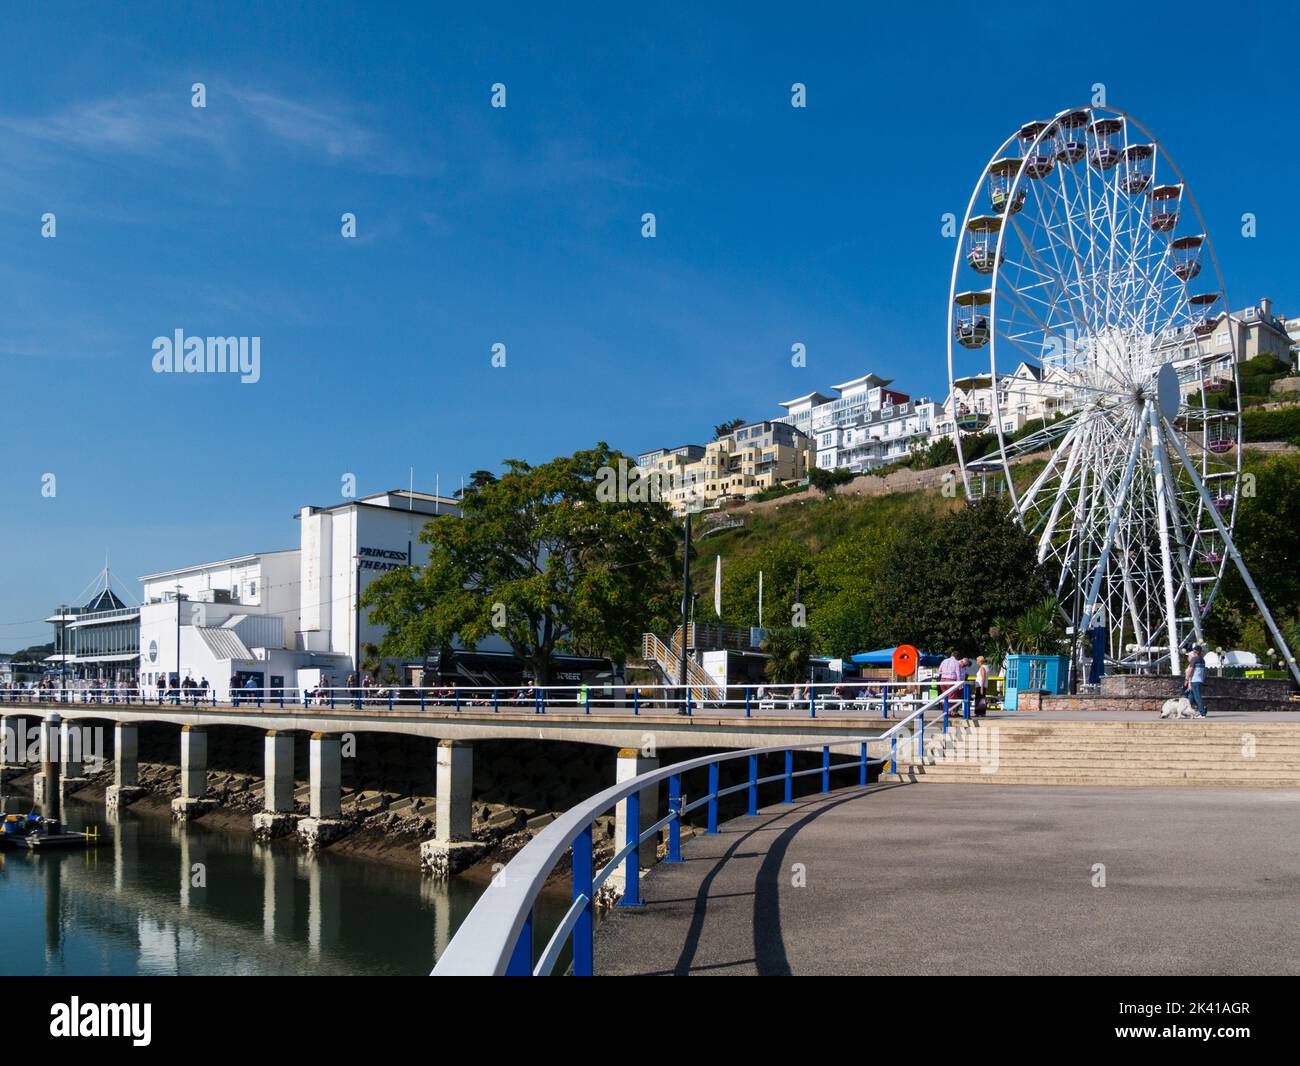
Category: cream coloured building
<point>740,464</point>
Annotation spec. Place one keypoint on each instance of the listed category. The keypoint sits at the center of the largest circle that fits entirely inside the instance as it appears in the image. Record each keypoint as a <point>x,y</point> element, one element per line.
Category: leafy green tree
<point>948,578</point>
<point>781,563</point>
<point>826,480</point>
<point>537,558</point>
<point>1265,533</point>
<point>789,649</point>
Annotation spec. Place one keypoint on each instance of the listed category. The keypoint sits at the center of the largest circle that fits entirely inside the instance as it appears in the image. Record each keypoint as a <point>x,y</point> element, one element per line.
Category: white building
<point>284,619</point>
<point>866,426</point>
<point>1026,394</point>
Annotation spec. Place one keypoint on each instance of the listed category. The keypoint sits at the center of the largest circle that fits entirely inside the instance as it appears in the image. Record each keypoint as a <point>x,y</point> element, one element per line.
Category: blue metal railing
<point>496,937</point>
<point>858,699</point>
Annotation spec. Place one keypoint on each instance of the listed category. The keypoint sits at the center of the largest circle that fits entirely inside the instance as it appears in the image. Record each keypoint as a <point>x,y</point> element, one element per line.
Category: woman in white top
<point>981,683</point>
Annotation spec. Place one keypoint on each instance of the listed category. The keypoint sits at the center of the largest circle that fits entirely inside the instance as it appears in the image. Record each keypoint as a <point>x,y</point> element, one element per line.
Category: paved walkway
<point>982,879</point>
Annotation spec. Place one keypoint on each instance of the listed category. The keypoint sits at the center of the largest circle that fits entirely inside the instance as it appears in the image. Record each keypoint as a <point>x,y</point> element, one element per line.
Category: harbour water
<point>163,899</point>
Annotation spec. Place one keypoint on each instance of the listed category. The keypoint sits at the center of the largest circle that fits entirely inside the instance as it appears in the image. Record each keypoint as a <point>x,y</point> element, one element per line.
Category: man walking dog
<point>1195,678</point>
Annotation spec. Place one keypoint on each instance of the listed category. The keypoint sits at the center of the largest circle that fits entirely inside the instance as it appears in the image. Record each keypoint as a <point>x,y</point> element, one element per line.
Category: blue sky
<point>518,225</point>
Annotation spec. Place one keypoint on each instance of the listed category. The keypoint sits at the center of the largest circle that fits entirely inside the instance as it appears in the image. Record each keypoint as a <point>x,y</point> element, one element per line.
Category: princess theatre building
<point>288,619</point>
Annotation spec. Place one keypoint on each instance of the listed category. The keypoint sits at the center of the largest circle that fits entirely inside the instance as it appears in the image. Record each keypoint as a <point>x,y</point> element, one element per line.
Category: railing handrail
<point>486,941</point>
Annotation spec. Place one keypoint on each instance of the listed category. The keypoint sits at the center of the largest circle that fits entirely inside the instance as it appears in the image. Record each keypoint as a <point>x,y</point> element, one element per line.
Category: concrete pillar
<point>126,757</point>
<point>453,847</point>
<point>631,763</point>
<point>194,762</point>
<point>45,785</point>
<point>125,788</point>
<point>279,772</point>
<point>276,817</point>
<point>326,776</point>
<point>324,825</point>
<point>70,753</point>
<point>194,775</point>
<point>454,812</point>
<point>12,742</point>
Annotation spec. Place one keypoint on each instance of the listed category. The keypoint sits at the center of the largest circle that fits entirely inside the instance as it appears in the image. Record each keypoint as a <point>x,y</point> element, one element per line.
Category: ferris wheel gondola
<point>1081,274</point>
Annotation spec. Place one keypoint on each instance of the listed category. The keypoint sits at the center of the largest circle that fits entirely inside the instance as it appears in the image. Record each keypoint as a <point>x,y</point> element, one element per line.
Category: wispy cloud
<point>236,122</point>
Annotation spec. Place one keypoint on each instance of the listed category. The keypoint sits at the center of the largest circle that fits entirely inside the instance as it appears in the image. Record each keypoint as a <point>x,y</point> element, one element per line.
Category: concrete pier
<point>194,775</point>
<point>125,788</point>
<point>276,818</point>
<point>45,790</point>
<point>72,756</point>
<point>631,763</point>
<point>453,848</point>
<point>12,742</point>
<point>324,824</point>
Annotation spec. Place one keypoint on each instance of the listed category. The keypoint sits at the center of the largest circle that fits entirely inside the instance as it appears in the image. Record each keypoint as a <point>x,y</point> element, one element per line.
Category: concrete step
<point>1066,769</point>
<point>1084,779</point>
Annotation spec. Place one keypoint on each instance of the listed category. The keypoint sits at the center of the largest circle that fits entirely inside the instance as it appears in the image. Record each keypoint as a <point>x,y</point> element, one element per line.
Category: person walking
<point>950,673</point>
<point>981,686</point>
<point>1195,678</point>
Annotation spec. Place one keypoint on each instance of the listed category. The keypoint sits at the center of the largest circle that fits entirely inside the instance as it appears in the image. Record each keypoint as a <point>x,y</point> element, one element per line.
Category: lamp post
<point>178,643</point>
<point>686,605</point>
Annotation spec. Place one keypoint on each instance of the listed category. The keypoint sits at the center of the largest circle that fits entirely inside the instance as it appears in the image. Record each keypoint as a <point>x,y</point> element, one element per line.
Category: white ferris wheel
<point>1088,332</point>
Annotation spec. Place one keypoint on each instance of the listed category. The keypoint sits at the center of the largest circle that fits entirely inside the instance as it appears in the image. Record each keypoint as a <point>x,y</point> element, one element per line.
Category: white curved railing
<point>496,937</point>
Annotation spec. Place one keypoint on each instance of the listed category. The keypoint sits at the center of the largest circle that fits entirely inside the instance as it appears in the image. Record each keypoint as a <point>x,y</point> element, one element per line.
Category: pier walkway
<point>978,879</point>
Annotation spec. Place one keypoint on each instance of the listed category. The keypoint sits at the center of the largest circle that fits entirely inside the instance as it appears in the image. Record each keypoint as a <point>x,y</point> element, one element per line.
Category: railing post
<point>636,700</point>
<point>789,775</point>
<point>713,798</point>
<point>812,702</point>
<point>688,701</point>
<point>496,702</point>
<point>675,826</point>
<point>893,754</point>
<point>632,864</point>
<point>583,961</point>
<point>862,765</point>
<point>537,700</point>
<point>965,700</point>
<point>826,769</point>
<point>753,784</point>
<point>422,711</point>
<point>457,698</point>
<point>521,959</point>
<point>331,697</point>
<point>747,710</point>
<point>884,701</point>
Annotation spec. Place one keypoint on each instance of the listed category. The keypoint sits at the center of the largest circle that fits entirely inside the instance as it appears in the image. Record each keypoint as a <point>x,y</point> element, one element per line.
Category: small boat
<point>36,832</point>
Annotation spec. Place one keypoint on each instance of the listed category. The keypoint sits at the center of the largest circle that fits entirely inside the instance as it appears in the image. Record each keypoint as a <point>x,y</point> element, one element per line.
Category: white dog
<point>1179,707</point>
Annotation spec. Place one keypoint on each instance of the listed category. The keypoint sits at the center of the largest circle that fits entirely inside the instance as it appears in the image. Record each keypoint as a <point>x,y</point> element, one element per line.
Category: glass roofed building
<point>99,641</point>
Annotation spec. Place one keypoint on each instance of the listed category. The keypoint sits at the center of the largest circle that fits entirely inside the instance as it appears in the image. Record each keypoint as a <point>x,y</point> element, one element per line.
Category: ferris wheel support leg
<point>1094,590</point>
<point>1193,606</point>
<point>1166,557</point>
<point>1240,563</point>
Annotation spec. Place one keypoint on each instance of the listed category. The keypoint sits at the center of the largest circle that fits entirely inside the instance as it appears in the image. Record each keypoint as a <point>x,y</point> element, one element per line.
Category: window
<point>252,590</point>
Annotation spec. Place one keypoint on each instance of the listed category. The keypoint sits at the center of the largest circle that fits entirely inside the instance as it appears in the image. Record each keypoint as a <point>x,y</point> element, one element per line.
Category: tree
<point>789,649</point>
<point>948,578</point>
<point>538,559</point>
<point>826,480</point>
<point>729,426</point>
<point>1265,534</point>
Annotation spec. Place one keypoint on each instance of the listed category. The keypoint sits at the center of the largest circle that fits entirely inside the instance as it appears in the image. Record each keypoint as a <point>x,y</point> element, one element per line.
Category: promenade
<point>978,879</point>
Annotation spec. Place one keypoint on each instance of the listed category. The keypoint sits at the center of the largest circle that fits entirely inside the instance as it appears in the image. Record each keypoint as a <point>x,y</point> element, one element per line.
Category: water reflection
<point>159,898</point>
